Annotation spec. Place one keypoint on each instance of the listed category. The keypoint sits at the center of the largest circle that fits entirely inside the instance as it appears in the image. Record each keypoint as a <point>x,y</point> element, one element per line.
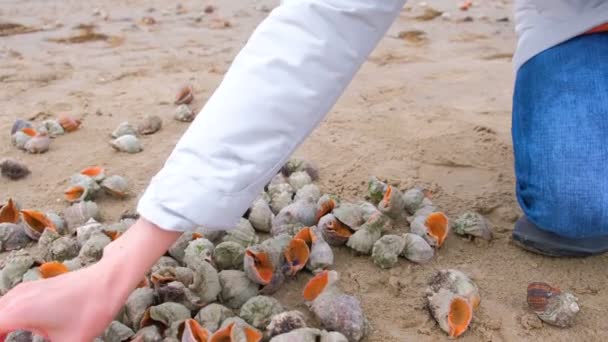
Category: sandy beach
<point>431,107</point>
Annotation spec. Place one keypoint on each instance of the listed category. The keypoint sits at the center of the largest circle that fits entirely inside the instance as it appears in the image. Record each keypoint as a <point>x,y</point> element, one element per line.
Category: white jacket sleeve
<point>280,86</point>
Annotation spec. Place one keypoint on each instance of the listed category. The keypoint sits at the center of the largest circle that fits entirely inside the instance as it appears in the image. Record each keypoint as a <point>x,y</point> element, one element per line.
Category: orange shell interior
<point>199,333</point>
<point>37,220</point>
<point>158,279</point>
<point>340,228</point>
<point>9,212</point>
<point>316,285</point>
<point>326,208</point>
<point>252,335</point>
<point>113,235</point>
<point>143,283</point>
<point>262,264</point>
<point>223,335</point>
<point>183,94</point>
<point>73,193</point>
<point>387,194</point>
<point>304,234</point>
<point>437,224</point>
<point>52,269</point>
<point>296,254</point>
<point>459,317</point>
<point>196,236</point>
<point>92,171</point>
<point>29,131</point>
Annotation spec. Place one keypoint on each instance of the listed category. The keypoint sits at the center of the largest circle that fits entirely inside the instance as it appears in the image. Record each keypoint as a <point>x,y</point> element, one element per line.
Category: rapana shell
<point>14,269</point>
<point>350,214</point>
<point>12,237</point>
<point>32,274</point>
<point>193,332</point>
<point>453,312</point>
<point>293,217</point>
<point>243,234</point>
<point>260,215</point>
<point>206,282</point>
<point>68,122</point>
<point>117,332</point>
<point>13,169</point>
<point>258,310</point>
<point>64,248</point>
<point>285,322</point>
<point>416,249</point>
<point>297,164</point>
<point>321,254</point>
<point>299,179</point>
<point>166,314</point>
<point>385,252</point>
<point>38,144</point>
<point>413,200</point>
<point>198,250</point>
<point>148,334</point>
<point>334,231</point>
<point>434,228</point>
<point>184,113</point>
<point>561,310</point>
<point>236,288</point>
<point>309,191</point>
<point>137,304</point>
<point>260,263</point>
<point>124,128</point>
<point>116,186</point>
<point>211,316</point>
<point>20,138</point>
<point>362,241</point>
<point>473,224</point>
<point>85,231</point>
<point>150,124</point>
<point>52,127</point>
<point>392,204</point>
<point>178,249</point>
<point>79,213</point>
<point>177,292</point>
<point>20,124</point>
<point>184,95</point>
<point>35,223</point>
<point>457,282</point>
<point>376,189</point>
<point>92,250</point>
<point>238,330</point>
<point>229,256</point>
<point>127,143</point>
<point>326,205</point>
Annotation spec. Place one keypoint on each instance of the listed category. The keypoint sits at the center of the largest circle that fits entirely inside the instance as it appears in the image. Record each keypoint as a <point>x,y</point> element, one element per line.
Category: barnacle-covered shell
<point>184,95</point>
<point>308,191</point>
<point>363,240</point>
<point>321,255</point>
<point>457,282</point>
<point>206,283</point>
<point>243,234</point>
<point>297,164</point>
<point>38,144</point>
<point>79,213</point>
<point>416,249</point>
<point>260,215</point>
<point>178,248</point>
<point>12,237</point>
<point>47,237</point>
<point>293,217</point>
<point>386,250</point>
<point>92,250</point>
<point>368,210</point>
<point>539,294</point>
<point>150,124</point>
<point>413,200</point>
<point>35,222</point>
<point>127,143</point>
<point>211,316</point>
<point>9,212</point>
<point>228,255</point>
<point>85,231</point>
<point>13,169</point>
<point>285,322</point>
<point>52,127</point>
<point>453,312</point>
<point>350,214</point>
<point>68,122</point>
<point>333,230</point>
<point>20,124</point>
<point>433,227</point>
<point>117,332</point>
<point>376,189</point>
<point>392,204</point>
<point>150,333</point>
<point>473,224</point>
<point>64,248</point>
<point>166,314</point>
<point>116,186</point>
<point>14,268</point>
<point>299,179</point>
<point>124,128</point>
<point>184,113</point>
<point>560,310</point>
<point>258,310</point>
<point>137,303</point>
<point>281,195</point>
<point>236,288</point>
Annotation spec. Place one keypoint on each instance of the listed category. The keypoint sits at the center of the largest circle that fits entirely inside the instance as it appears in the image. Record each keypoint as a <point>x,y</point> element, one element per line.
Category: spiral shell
<point>433,227</point>
<point>229,255</point>
<point>413,200</point>
<point>321,255</point>
<point>561,310</point>
<point>20,138</point>
<point>117,332</point>
<point>299,179</point>
<point>363,240</point>
<point>260,215</point>
<point>243,234</point>
<point>150,125</point>
<point>297,164</point>
<point>539,294</point>
<point>198,250</point>
<point>127,143</point>
<point>334,231</point>
<point>13,169</point>
<point>184,95</point>
<point>35,222</point>
<point>416,249</point>
<point>97,173</point>
<point>124,128</point>
<point>308,192</point>
<point>292,217</point>
<point>193,332</point>
<point>9,212</point>
<point>12,237</point>
<point>184,113</point>
<point>138,302</point>
<point>165,314</point>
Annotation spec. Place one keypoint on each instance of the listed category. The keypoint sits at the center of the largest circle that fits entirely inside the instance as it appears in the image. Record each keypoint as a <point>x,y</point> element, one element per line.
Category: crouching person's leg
<point>560,140</point>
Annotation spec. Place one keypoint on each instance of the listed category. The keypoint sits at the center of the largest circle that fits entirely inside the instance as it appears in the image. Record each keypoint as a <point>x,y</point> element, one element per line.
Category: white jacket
<point>281,85</point>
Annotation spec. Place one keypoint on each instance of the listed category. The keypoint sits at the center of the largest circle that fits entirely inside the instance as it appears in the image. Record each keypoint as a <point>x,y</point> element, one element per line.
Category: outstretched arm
<point>280,86</point>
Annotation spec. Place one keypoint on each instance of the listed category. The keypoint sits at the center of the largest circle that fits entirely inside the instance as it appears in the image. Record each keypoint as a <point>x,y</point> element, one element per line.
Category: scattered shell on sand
<point>124,128</point>
<point>184,95</point>
<point>433,227</point>
<point>386,251</point>
<point>184,113</point>
<point>392,204</point>
<point>20,138</point>
<point>150,124</point>
<point>376,189</point>
<point>127,143</point>
<point>38,144</point>
<point>258,311</point>
<point>552,305</point>
<point>35,223</point>
<point>69,123</point>
<point>473,224</point>
<point>416,249</point>
<point>116,186</point>
<point>52,127</point>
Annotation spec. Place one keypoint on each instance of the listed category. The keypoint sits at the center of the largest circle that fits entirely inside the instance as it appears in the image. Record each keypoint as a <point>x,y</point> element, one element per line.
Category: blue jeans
<point>560,137</point>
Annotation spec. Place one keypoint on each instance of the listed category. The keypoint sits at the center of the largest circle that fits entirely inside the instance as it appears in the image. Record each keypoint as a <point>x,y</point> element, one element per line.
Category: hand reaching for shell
<point>79,305</point>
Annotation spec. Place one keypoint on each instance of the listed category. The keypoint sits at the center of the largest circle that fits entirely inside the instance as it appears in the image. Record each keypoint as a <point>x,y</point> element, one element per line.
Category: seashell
<point>148,334</point>
<point>84,232</point>
<point>308,191</point>
<point>178,249</point>
<point>376,189</point>
<point>139,300</point>
<point>166,274</point>
<point>280,200</point>
<point>9,212</point>
<point>350,214</point>
<point>285,322</point>
<point>92,250</point>
<point>417,249</point>
<point>473,224</point>
<point>294,216</point>
<point>211,316</point>
<point>19,336</point>
<point>52,269</point>
<point>97,173</point>
<point>79,213</point>
<point>20,138</point>
<point>198,250</point>
<point>321,255</point>
<point>385,252</point>
<point>193,332</point>
<point>117,332</point>
<point>116,186</point>
<point>38,144</point>
<point>150,125</point>
<point>20,124</point>
<point>177,292</point>
<point>453,312</point>
<point>52,127</point>
<point>236,288</point>
<point>237,330</point>
<point>69,123</point>
<point>243,234</point>
<point>64,248</point>
<point>73,264</point>
<point>32,274</point>
<point>427,208</point>
<point>334,231</point>
<point>124,128</point>
<point>278,180</point>
<point>13,169</point>
<point>392,204</point>
<point>296,164</point>
<point>184,113</point>
<point>206,282</point>
<point>77,193</point>
<point>413,200</point>
<point>363,240</point>
<point>184,95</point>
<point>310,335</point>
<point>14,268</point>
<point>165,314</point>
<point>299,179</point>
<point>260,263</point>
<point>539,294</point>
<point>85,181</point>
<point>12,237</point>
<point>560,310</point>
<point>368,210</point>
<point>260,215</point>
<point>35,222</point>
<point>127,143</point>
<point>456,282</point>
<point>433,227</point>
<point>228,256</point>
<point>212,235</point>
<point>258,311</point>
<point>296,255</point>
<point>47,238</point>
<point>335,310</point>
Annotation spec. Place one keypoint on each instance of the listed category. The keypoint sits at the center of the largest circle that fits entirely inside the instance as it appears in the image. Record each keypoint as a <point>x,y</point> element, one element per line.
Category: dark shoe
<point>531,238</point>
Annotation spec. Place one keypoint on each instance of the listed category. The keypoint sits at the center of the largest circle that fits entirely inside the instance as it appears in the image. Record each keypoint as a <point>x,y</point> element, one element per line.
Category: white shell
<point>416,249</point>
<point>19,139</point>
<point>124,128</point>
<point>386,250</point>
<point>260,215</point>
<point>561,310</point>
<point>127,143</point>
<point>299,179</point>
<point>184,113</point>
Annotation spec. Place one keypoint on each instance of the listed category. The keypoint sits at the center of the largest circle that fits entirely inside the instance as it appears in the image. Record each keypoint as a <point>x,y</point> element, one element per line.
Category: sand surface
<point>432,110</point>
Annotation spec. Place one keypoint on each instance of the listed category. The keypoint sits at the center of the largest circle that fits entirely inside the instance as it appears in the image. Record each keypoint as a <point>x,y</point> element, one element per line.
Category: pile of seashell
<point>216,285</point>
<point>182,99</point>
<point>35,140</point>
<point>125,136</point>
